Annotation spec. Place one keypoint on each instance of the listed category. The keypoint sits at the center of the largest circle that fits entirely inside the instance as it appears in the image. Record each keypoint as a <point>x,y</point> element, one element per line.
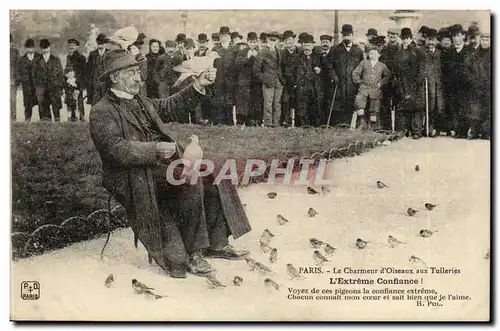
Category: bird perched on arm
<point>124,37</point>
<point>192,153</point>
<point>195,66</point>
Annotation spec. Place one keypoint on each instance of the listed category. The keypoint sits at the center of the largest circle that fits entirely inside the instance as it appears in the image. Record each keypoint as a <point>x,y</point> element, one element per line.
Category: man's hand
<point>165,150</point>
<point>206,78</point>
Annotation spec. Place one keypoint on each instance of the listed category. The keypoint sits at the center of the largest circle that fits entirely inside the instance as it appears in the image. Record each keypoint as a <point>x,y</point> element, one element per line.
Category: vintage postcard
<point>183,165</point>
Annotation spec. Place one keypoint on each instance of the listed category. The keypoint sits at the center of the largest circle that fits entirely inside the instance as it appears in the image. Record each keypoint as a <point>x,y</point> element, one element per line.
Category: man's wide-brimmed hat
<point>117,59</point>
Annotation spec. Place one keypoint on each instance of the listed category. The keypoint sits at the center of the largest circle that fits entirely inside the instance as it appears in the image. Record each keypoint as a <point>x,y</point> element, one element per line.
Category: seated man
<point>176,224</point>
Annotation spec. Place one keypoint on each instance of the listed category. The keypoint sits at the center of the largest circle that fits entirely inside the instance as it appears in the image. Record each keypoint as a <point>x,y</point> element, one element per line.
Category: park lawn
<point>56,170</point>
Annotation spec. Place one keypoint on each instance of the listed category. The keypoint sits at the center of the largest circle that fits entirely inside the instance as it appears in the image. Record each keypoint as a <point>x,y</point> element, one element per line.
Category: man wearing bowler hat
<point>26,76</point>
<point>248,97</point>
<point>224,84</point>
<point>370,34</point>
<point>288,56</point>
<point>179,225</point>
<point>346,58</point>
<point>308,85</point>
<point>75,67</point>
<point>49,83</point>
<point>95,68</point>
<point>268,70</point>
<point>461,81</point>
<point>202,45</point>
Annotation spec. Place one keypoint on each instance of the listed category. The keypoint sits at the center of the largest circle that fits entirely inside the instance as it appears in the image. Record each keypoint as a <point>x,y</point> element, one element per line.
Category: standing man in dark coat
<point>309,86</point>
<point>14,78</point>
<point>178,225</point>
<point>389,56</point>
<point>95,68</point>
<point>445,48</point>
<point>480,114</point>
<point>409,116</point>
<point>202,45</point>
<point>346,58</point>
<point>164,73</point>
<point>49,83</point>
<point>474,37</point>
<point>247,95</point>
<point>224,84</point>
<point>269,71</point>
<point>328,77</point>
<point>75,67</point>
<point>27,77</point>
<point>429,67</point>
<point>288,56</point>
<point>205,106</point>
<point>461,81</point>
<point>155,51</point>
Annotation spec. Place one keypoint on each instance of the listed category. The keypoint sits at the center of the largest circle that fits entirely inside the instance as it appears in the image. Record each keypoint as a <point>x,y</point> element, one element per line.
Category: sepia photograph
<point>250,165</point>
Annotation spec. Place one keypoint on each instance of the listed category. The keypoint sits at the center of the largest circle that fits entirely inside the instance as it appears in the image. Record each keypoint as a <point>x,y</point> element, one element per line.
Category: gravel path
<point>455,174</point>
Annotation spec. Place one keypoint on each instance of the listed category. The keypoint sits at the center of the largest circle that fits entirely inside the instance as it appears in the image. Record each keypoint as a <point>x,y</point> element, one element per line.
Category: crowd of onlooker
<point>275,79</point>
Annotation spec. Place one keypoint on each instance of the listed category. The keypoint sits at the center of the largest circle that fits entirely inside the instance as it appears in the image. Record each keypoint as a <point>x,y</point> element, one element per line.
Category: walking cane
<point>293,117</point>
<point>234,115</point>
<point>331,107</point>
<point>426,108</point>
<point>189,114</point>
<point>393,117</point>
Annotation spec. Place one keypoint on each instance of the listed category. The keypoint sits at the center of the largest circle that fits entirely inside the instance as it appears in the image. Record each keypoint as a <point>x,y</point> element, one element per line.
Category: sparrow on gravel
<point>487,255</point>
<point>272,195</point>
<point>417,168</point>
<point>360,243</point>
<point>273,257</point>
<point>281,220</point>
<point>315,243</point>
<point>311,212</point>
<point>426,233</point>
<point>109,280</point>
<point>319,259</point>
<point>266,236</point>
<point>293,272</point>
<point>237,280</point>
<point>310,190</point>
<point>250,263</point>
<point>381,184</point>
<point>213,282</point>
<point>268,282</point>
<point>430,206</point>
<point>261,268</point>
<point>411,211</point>
<point>393,242</point>
<point>139,287</point>
<point>329,250</point>
<point>414,259</point>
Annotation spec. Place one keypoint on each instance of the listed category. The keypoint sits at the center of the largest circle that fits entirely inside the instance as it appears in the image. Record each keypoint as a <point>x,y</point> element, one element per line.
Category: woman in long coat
<point>155,50</point>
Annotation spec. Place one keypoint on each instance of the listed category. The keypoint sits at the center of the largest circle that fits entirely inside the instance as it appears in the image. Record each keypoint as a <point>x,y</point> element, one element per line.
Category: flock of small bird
<point>319,259</point>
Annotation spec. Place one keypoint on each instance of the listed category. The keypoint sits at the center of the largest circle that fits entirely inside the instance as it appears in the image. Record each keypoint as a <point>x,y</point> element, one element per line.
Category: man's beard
<point>346,41</point>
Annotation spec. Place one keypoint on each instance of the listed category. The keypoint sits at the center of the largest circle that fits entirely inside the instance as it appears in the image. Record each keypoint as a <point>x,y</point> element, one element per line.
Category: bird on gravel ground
<point>411,211</point>
<point>315,243</point>
<point>393,242</point>
<point>272,195</point>
<point>268,282</point>
<point>310,190</point>
<point>426,233</point>
<point>237,280</point>
<point>192,153</point>
<point>109,280</point>
<point>281,220</point>
<point>430,206</point>
<point>273,257</point>
<point>293,272</point>
<point>319,259</point>
<point>329,249</point>
<point>381,184</point>
<point>360,243</point>
<point>311,212</point>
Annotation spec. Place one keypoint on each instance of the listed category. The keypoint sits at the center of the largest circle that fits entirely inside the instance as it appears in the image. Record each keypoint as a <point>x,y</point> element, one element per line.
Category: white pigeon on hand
<point>192,153</point>
<point>195,66</point>
<point>124,37</point>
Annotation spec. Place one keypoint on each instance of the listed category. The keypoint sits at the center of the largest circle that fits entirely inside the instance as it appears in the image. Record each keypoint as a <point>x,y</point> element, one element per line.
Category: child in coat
<point>371,75</point>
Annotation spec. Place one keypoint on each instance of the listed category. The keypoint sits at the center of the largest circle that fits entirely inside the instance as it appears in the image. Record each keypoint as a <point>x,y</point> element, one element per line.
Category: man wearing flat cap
<point>95,68</point>
<point>179,225</point>
<point>75,67</point>
<point>429,67</point>
<point>389,56</point>
<point>461,81</point>
<point>49,83</point>
<point>247,96</point>
<point>288,56</point>
<point>346,57</point>
<point>26,77</point>
<point>268,70</point>
<point>223,88</point>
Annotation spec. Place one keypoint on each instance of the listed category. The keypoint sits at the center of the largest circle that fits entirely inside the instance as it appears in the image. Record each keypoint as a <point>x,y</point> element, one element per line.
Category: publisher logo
<point>30,290</point>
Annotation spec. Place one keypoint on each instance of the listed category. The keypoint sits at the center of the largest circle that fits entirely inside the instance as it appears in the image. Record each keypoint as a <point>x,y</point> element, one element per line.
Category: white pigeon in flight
<point>195,66</point>
<point>192,153</point>
<point>124,37</point>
